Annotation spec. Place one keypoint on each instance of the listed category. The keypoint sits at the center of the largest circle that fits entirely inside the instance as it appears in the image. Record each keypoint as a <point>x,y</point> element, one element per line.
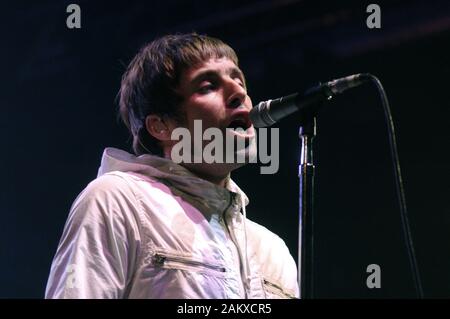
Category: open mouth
<point>241,126</point>
<point>241,123</point>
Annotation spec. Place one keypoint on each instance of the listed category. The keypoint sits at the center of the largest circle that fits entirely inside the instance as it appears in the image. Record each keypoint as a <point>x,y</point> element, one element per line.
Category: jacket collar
<point>204,195</point>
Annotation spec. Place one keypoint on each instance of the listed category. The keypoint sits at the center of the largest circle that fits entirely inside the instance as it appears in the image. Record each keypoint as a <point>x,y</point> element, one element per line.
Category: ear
<point>157,127</point>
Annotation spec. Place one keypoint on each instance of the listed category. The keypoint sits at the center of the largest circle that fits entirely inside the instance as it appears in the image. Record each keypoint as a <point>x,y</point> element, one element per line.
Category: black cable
<point>399,187</point>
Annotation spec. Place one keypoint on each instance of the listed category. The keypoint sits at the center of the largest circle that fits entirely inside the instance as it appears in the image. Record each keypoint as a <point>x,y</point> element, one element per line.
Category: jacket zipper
<point>277,290</point>
<point>233,239</point>
<point>161,259</point>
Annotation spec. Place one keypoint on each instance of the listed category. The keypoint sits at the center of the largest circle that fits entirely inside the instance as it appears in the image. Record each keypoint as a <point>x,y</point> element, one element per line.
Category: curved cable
<point>399,186</point>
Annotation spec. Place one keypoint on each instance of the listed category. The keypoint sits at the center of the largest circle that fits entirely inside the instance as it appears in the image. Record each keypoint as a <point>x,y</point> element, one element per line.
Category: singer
<point>147,227</point>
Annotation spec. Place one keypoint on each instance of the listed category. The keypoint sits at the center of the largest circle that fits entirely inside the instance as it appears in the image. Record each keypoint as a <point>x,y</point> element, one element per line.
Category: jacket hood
<point>199,192</point>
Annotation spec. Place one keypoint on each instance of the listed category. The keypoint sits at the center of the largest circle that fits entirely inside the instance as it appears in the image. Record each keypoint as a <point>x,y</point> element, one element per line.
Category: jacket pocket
<point>274,291</point>
<point>180,262</point>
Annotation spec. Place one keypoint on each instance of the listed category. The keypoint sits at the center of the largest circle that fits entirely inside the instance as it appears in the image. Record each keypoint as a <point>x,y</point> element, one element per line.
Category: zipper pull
<point>159,260</point>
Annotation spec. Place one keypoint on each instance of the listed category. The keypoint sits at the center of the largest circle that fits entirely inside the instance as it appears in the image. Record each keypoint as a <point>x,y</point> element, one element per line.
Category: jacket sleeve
<point>99,245</point>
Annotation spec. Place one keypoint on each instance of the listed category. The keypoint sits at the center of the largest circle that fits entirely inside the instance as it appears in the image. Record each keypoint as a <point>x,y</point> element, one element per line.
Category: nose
<point>236,95</point>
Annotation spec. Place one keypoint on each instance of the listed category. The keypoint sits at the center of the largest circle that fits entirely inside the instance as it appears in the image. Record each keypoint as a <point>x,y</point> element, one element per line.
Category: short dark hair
<point>150,82</point>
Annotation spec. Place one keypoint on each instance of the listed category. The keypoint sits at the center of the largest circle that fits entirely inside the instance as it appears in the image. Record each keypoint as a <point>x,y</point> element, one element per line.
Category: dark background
<point>58,100</point>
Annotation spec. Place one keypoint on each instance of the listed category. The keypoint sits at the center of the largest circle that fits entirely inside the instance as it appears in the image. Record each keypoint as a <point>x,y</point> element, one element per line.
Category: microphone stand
<point>306,170</point>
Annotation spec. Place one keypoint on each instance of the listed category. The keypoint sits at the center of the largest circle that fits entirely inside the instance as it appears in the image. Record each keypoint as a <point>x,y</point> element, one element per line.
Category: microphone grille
<point>259,115</point>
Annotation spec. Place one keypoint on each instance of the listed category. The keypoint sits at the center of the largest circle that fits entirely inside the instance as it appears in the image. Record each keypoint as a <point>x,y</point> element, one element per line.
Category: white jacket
<point>148,228</point>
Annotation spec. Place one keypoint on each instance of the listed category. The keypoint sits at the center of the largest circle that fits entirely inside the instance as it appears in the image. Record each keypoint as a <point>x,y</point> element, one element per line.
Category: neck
<point>220,180</point>
<point>217,180</point>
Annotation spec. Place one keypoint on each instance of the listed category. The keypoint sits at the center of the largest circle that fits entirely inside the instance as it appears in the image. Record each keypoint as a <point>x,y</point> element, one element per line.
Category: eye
<point>239,81</point>
<point>206,88</point>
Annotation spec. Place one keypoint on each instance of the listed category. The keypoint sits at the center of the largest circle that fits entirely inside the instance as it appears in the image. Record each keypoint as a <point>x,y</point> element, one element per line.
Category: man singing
<point>152,226</point>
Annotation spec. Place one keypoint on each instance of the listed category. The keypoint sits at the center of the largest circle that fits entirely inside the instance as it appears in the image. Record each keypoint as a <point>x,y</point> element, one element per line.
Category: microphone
<point>267,113</point>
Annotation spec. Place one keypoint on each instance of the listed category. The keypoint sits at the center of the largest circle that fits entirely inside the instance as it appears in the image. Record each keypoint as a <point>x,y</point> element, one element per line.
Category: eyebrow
<point>234,71</point>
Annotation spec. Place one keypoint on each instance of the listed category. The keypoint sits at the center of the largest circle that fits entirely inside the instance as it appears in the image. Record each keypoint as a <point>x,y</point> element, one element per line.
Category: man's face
<point>215,93</point>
